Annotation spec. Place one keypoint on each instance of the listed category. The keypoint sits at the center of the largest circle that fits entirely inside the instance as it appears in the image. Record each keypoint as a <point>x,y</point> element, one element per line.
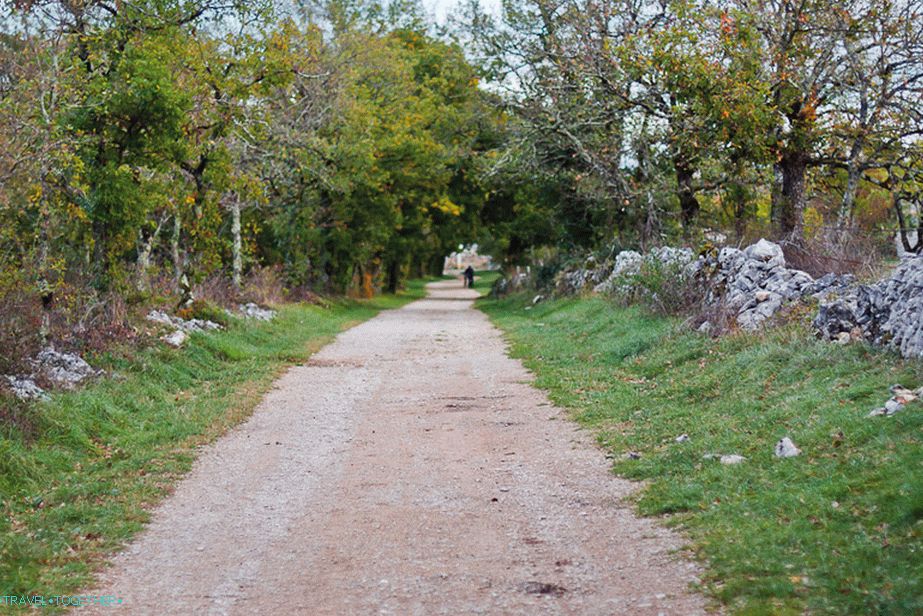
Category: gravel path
<point>408,468</point>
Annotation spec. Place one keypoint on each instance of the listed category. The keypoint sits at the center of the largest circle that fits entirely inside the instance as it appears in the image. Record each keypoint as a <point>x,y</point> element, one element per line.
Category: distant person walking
<point>469,277</point>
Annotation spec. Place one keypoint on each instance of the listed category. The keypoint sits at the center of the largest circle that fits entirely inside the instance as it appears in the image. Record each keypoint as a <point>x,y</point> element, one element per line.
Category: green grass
<point>83,480</point>
<point>484,281</point>
<point>836,530</point>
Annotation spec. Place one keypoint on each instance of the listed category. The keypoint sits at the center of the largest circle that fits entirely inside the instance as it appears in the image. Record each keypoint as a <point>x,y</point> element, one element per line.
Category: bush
<point>851,251</point>
<point>664,288</point>
<point>265,286</point>
<point>20,321</point>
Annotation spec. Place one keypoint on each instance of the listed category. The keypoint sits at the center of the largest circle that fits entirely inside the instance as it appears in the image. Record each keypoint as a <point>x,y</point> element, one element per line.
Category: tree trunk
<point>791,199</point>
<point>394,275</point>
<point>174,247</point>
<point>436,265</point>
<point>145,248</point>
<point>236,243</point>
<point>917,246</point>
<point>100,256</point>
<point>853,175</point>
<point>688,204</point>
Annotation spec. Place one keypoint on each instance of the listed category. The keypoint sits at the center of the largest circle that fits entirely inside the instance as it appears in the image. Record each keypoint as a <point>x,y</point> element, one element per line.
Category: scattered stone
<point>705,328</point>
<point>631,455</point>
<point>192,325</point>
<point>157,316</point>
<point>732,458</point>
<point>25,388</point>
<point>785,448</point>
<point>537,299</point>
<point>900,397</point>
<point>253,311</point>
<point>682,438</point>
<point>904,395</point>
<point>176,339</point>
<point>843,338</point>
<point>544,588</point>
<point>65,370</point>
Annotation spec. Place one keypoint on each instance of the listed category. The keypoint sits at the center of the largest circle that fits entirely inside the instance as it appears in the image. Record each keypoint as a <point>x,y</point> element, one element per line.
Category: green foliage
<point>350,158</point>
<point>661,287</point>
<point>835,530</point>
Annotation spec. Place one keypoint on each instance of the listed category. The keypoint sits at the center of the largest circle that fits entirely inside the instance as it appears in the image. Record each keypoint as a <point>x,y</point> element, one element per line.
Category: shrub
<point>265,286</point>
<point>20,321</point>
<point>664,288</point>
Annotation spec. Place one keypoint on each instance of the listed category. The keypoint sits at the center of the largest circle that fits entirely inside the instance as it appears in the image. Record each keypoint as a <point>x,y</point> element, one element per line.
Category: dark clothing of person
<point>469,277</point>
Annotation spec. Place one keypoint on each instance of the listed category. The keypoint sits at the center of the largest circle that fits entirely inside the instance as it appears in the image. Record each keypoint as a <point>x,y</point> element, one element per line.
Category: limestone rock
<point>25,388</point>
<point>253,311</point>
<point>887,313</point>
<point>767,252</point>
<point>64,370</point>
<point>192,325</point>
<point>785,448</point>
<point>176,339</point>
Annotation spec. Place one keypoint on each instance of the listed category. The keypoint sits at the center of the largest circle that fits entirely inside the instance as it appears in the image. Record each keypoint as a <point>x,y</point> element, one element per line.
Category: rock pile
<point>887,313</point>
<point>62,370</point>
<point>753,283</point>
<point>25,388</point>
<point>182,327</point>
<point>253,311</point>
<point>65,370</point>
<point>190,325</point>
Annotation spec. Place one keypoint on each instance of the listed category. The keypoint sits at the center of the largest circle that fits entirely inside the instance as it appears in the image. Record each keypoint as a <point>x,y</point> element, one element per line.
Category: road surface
<point>408,468</point>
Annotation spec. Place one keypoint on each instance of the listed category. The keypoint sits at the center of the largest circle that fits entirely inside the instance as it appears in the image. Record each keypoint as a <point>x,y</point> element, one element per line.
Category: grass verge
<point>838,529</point>
<point>79,480</point>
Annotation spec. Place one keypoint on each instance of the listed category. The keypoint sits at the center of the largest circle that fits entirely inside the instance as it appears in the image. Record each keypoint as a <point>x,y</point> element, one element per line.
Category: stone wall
<point>754,284</point>
<point>887,313</point>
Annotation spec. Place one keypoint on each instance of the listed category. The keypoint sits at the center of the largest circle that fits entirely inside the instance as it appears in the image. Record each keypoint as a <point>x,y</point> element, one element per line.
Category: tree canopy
<point>352,143</point>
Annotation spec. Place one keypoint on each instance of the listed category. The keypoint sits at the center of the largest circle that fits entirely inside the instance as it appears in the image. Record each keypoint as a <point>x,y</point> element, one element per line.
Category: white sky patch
<point>440,9</point>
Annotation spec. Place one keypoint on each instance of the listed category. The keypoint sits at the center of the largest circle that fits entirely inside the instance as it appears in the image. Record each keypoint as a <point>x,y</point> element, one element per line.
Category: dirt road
<point>409,468</point>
